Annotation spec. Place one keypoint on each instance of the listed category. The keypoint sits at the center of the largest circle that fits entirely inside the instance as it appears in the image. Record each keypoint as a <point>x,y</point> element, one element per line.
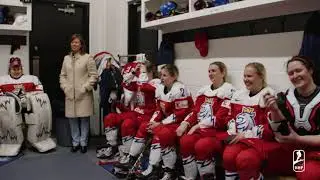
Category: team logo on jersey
<point>181,104</point>
<point>245,120</point>
<point>206,114</point>
<point>298,163</point>
<point>18,88</point>
<point>140,99</point>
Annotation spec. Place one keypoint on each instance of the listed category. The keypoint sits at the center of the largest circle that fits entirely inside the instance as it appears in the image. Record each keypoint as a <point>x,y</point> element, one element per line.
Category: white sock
<point>190,167</point>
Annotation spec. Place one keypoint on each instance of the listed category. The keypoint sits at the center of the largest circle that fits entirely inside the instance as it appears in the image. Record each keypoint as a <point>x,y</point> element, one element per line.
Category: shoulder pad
<point>225,91</point>
<point>203,90</point>
<point>155,82</point>
<point>180,90</point>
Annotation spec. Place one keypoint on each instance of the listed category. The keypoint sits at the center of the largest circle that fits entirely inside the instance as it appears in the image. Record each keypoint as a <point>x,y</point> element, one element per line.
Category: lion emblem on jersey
<point>206,114</point>
<point>140,98</point>
<point>245,120</point>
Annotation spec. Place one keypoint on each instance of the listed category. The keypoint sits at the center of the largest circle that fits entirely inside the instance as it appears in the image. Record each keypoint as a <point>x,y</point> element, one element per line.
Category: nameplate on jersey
<point>181,104</point>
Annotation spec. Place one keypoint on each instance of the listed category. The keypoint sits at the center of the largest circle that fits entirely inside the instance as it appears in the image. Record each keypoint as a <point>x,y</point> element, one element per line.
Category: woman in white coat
<point>77,78</point>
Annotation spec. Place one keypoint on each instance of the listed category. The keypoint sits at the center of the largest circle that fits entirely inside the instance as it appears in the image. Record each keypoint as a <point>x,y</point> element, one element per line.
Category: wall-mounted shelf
<point>230,13</point>
<point>16,6</point>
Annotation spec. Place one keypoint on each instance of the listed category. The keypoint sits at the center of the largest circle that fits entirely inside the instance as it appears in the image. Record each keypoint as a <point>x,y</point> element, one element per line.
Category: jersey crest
<point>140,98</point>
<point>205,115</point>
<point>245,120</point>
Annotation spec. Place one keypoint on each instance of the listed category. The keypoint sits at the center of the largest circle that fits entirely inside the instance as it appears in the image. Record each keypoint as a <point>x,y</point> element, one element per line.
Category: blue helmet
<point>168,8</point>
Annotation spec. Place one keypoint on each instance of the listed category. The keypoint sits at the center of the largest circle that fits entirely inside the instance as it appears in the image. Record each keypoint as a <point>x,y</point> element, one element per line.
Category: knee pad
<point>187,143</point>
<point>204,148</point>
<point>11,135</point>
<point>39,122</point>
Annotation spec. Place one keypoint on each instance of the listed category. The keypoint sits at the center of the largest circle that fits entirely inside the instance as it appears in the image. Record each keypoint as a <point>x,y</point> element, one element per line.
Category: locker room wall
<point>106,33</point>
<point>108,30</point>
<point>273,50</point>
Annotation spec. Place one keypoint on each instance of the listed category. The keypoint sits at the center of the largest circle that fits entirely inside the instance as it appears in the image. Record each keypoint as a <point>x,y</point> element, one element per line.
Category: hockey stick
<point>133,169</point>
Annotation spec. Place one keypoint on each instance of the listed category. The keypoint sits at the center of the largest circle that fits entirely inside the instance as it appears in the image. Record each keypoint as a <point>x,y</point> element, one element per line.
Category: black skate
<point>126,164</point>
<point>208,177</point>
<point>169,174</point>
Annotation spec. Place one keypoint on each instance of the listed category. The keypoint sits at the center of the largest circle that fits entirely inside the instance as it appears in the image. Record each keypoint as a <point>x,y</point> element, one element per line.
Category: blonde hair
<point>222,67</point>
<point>261,71</point>
<point>172,69</point>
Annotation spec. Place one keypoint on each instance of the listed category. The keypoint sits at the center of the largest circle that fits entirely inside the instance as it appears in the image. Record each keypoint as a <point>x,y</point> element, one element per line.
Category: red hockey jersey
<point>145,97</point>
<point>249,114</point>
<point>207,104</point>
<point>173,106</point>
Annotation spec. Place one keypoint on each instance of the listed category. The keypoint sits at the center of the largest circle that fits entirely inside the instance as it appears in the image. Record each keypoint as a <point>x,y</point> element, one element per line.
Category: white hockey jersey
<point>172,106</point>
<point>26,83</point>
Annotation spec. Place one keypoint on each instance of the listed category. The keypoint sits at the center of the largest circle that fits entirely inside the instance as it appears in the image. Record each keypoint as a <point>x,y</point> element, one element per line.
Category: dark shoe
<point>74,149</point>
<point>208,177</point>
<point>168,174</point>
<point>127,164</point>
<point>83,149</point>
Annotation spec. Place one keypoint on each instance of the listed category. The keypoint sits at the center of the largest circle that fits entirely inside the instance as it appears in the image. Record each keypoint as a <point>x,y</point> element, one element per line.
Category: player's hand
<point>153,124</point>
<point>271,102</point>
<point>193,129</point>
<point>181,129</point>
<point>291,138</point>
<point>237,138</point>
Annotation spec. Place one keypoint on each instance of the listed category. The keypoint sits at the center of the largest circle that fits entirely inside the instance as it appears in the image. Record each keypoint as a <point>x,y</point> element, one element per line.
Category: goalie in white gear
<point>22,100</point>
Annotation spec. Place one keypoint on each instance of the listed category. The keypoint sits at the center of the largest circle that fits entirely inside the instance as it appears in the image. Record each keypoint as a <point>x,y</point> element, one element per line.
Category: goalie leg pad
<point>40,122</point>
<point>11,135</point>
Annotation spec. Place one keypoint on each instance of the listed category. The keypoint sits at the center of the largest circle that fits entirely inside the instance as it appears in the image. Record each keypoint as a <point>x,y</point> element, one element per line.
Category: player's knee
<point>166,137</point>
<point>311,171</point>
<point>248,159</point>
<point>142,131</point>
<point>204,148</point>
<point>108,120</point>
<point>187,143</point>
<point>128,128</point>
<point>229,158</point>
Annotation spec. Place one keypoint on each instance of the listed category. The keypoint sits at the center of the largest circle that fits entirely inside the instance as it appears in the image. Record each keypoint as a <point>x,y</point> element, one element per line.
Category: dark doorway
<point>53,23</point>
<point>141,40</point>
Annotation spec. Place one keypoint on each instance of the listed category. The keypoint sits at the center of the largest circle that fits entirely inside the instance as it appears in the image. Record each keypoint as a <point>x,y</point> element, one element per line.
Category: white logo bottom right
<point>298,163</point>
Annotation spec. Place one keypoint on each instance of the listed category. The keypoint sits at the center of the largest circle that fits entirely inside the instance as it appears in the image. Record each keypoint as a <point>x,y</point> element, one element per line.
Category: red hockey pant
<point>129,122</point>
<point>276,160</point>
<point>202,144</point>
